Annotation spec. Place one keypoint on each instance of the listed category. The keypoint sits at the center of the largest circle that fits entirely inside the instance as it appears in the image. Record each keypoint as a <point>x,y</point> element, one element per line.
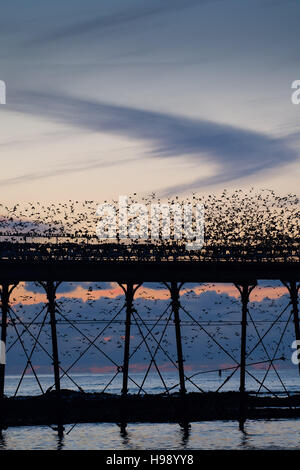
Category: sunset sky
<point>92,305</point>
<point>115,97</point>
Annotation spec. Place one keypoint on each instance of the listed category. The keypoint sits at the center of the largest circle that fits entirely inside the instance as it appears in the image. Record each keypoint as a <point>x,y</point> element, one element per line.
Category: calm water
<point>272,434</point>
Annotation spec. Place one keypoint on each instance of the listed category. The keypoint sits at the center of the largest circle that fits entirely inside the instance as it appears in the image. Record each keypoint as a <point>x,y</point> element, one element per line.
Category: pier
<point>50,264</point>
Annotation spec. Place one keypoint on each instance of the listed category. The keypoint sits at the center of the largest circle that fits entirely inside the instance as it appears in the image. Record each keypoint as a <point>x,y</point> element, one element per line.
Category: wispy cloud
<point>104,22</point>
<point>67,169</point>
<point>237,152</point>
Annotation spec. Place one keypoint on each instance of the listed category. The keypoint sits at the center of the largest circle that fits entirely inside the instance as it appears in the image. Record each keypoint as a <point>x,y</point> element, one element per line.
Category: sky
<point>207,348</point>
<point>116,97</point>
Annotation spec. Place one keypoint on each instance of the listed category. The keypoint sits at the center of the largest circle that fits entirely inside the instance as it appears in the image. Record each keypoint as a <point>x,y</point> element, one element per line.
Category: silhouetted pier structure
<point>51,262</point>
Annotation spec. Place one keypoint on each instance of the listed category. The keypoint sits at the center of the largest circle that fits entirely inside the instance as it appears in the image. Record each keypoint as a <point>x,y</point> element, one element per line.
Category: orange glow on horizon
<point>21,295</point>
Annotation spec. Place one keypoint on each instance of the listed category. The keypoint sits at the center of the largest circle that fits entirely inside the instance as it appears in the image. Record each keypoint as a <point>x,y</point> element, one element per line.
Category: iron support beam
<point>175,296</point>
<point>5,292</point>
<point>50,289</point>
<point>245,290</point>
<point>129,292</point>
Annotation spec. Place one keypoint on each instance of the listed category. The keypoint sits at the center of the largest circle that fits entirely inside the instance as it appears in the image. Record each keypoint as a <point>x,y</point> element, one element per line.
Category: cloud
<point>218,313</point>
<point>63,170</point>
<point>104,22</point>
<point>236,151</point>
<point>67,287</point>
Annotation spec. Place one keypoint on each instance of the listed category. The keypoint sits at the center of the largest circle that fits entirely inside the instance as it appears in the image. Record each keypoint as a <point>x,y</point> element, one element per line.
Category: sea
<point>206,435</point>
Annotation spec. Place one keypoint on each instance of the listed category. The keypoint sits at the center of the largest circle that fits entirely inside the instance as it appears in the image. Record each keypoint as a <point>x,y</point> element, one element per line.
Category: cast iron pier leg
<point>245,290</point>
<point>5,292</point>
<point>129,304</point>
<point>175,295</point>
<point>129,291</point>
<point>50,289</point>
<point>51,295</point>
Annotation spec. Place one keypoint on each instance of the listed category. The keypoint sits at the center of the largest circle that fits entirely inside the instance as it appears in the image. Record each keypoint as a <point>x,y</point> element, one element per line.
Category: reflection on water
<point>272,434</point>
